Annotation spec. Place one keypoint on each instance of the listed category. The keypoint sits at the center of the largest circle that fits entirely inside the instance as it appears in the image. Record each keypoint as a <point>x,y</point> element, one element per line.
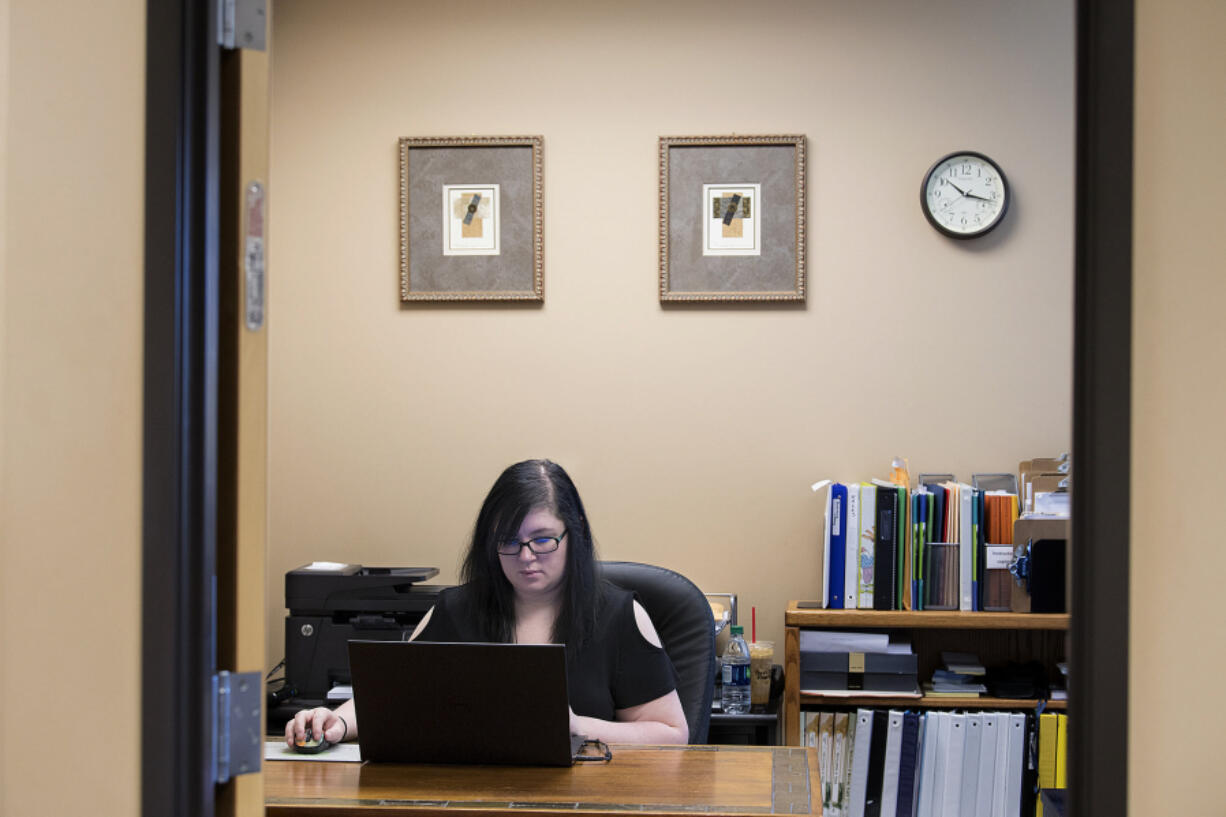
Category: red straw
<point>753,623</point>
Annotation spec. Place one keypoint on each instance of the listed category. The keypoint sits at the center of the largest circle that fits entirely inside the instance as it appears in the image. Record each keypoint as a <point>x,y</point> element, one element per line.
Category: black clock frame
<point>942,229</point>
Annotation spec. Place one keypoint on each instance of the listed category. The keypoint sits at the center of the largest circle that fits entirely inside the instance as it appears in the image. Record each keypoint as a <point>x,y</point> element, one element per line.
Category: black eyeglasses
<point>593,751</point>
<point>537,544</point>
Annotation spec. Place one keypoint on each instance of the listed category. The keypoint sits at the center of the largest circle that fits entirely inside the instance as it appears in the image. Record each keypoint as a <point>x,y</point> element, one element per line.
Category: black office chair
<point>683,619</point>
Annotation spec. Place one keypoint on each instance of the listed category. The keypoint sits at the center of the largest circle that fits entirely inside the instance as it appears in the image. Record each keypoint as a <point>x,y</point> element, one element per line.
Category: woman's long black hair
<point>520,489</point>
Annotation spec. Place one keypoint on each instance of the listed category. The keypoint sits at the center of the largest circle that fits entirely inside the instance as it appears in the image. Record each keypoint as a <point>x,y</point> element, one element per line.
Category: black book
<point>981,547</point>
<point>1030,771</point>
<point>876,765</point>
<point>885,550</point>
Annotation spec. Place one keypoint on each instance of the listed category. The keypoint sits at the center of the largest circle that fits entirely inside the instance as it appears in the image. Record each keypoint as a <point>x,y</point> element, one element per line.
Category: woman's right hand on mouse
<point>320,720</point>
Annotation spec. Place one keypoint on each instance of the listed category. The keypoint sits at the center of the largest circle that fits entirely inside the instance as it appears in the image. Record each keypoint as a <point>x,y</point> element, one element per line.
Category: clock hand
<point>959,189</point>
<point>973,196</point>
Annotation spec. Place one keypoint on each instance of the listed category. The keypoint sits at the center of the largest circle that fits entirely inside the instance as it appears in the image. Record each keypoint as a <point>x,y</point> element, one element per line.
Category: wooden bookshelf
<point>911,619</point>
<point>995,637</point>
<point>905,702</point>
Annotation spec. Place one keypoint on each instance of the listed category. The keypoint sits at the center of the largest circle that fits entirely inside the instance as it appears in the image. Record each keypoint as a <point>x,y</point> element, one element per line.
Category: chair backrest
<point>683,619</point>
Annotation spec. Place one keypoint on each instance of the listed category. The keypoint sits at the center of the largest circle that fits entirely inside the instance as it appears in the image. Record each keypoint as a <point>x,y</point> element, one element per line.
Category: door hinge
<point>241,24</point>
<point>237,742</point>
<point>253,256</point>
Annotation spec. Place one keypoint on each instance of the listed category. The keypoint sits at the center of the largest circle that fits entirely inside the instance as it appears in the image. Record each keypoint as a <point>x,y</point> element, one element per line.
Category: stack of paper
<point>963,662</point>
<point>852,641</point>
<point>961,678</point>
<point>955,683</point>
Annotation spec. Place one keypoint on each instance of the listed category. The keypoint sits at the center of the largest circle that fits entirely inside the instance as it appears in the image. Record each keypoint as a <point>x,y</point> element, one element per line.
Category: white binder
<point>970,764</point>
<point>919,767</point>
<point>966,548</point>
<point>1003,736</point>
<point>955,746</point>
<point>864,559</point>
<point>893,754</point>
<point>987,765</point>
<point>851,559</point>
<point>932,772</point>
<point>826,542</point>
<point>859,762</point>
<point>1016,762</point>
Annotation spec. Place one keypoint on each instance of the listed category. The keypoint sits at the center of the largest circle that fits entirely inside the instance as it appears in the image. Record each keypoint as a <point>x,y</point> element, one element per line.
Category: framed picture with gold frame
<point>732,218</point>
<point>471,219</point>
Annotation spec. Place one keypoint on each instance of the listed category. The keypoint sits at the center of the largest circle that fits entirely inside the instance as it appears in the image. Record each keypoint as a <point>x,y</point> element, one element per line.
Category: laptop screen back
<point>431,702</point>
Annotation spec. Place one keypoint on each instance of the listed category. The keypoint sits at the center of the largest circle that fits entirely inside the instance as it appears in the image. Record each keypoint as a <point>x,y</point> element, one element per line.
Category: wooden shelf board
<point>928,619</point>
<point>982,702</point>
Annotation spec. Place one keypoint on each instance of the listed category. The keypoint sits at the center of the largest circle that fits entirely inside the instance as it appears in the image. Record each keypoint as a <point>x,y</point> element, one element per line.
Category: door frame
<point>1102,396</point>
<point>179,492</point>
<point>181,380</point>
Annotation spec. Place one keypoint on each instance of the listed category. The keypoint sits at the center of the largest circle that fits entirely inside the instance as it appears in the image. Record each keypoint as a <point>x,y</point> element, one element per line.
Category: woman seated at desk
<point>531,577</point>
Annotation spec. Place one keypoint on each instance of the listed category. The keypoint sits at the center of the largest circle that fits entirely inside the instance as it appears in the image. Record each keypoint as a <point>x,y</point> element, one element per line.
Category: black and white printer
<point>330,603</point>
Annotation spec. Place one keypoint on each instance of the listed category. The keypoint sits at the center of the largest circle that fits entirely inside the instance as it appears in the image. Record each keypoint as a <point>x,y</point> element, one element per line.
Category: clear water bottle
<point>736,673</point>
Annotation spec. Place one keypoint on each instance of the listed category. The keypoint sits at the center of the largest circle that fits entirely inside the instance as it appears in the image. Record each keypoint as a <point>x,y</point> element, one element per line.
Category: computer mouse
<point>310,745</point>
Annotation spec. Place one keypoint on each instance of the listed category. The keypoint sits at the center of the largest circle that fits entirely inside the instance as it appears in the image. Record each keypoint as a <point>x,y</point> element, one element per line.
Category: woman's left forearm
<point>650,732</point>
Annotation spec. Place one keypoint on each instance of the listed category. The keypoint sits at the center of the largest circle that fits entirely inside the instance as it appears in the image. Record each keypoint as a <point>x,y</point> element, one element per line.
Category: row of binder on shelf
<point>947,545</point>
<point>943,546</point>
<point>935,764</point>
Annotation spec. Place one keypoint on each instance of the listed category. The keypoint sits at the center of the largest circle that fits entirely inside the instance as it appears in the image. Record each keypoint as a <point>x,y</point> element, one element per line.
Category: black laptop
<point>433,702</point>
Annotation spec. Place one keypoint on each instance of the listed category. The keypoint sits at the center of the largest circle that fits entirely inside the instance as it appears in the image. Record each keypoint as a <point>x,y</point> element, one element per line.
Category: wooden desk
<point>659,780</point>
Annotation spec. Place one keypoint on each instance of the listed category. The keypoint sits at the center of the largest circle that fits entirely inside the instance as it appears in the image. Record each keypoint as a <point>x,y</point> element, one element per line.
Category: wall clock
<point>964,195</point>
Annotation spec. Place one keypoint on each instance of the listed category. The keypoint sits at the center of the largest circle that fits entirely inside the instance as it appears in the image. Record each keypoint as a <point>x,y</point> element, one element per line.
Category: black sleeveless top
<point>619,668</point>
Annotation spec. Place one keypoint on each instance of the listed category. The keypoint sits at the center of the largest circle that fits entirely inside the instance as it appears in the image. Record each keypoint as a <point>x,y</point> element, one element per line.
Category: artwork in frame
<point>471,219</point>
<point>732,218</point>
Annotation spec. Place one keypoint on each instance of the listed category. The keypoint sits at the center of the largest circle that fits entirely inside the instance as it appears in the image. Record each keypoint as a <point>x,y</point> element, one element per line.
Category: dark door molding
<point>180,409</point>
<point>1102,365</point>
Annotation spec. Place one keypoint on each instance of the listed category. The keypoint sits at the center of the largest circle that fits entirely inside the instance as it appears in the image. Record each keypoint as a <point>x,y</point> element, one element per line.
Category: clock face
<point>964,195</point>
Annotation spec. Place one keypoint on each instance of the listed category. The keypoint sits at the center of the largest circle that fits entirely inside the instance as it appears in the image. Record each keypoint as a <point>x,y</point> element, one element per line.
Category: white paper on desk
<point>339,752</point>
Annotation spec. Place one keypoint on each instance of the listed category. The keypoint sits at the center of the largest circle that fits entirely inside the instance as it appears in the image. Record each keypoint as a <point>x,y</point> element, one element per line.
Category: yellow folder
<point>1061,751</point>
<point>1048,739</point>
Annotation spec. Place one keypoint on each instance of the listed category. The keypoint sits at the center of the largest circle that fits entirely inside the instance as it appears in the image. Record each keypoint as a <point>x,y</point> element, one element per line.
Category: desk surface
<point>660,780</point>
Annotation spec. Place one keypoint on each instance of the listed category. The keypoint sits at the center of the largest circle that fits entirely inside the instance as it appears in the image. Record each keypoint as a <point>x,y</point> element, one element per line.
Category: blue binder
<point>838,545</point>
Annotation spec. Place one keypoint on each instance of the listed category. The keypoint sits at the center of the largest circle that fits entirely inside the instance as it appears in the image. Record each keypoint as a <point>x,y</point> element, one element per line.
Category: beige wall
<point>693,433</point>
<point>1177,659</point>
<point>70,354</point>
<point>72,104</point>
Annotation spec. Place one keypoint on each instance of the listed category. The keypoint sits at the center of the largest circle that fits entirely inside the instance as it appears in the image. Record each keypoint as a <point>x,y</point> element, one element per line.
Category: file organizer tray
<point>941,576</point>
